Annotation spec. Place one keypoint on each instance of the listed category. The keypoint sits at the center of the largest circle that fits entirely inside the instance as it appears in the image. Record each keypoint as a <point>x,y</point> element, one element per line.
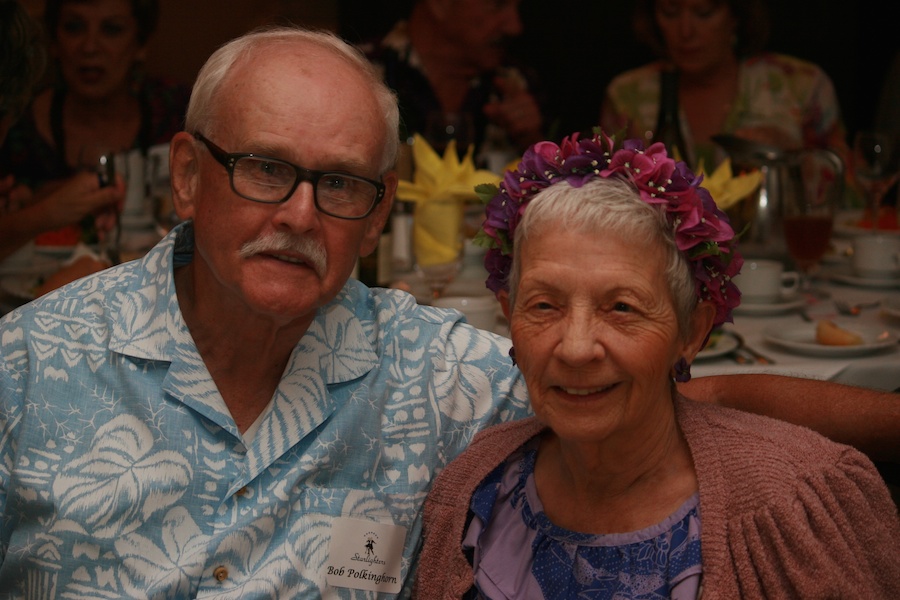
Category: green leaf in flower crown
<point>486,191</point>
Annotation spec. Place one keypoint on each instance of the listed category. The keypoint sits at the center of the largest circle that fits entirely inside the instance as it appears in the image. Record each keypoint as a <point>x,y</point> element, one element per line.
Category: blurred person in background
<point>727,82</point>
<point>22,62</point>
<point>448,65</point>
<point>99,98</point>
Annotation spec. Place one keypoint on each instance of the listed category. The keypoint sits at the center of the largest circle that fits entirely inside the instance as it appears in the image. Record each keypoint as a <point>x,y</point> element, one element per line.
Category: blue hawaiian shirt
<point>123,474</point>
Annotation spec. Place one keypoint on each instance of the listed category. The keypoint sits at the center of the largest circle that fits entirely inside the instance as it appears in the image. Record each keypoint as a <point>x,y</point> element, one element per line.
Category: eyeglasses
<point>272,181</point>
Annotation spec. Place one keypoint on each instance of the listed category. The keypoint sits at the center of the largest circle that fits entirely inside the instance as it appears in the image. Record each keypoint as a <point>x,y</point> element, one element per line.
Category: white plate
<point>801,339</point>
<point>891,307</point>
<point>20,286</point>
<point>725,344</point>
<point>868,282</point>
<point>760,309</point>
<point>37,265</point>
<point>838,252</point>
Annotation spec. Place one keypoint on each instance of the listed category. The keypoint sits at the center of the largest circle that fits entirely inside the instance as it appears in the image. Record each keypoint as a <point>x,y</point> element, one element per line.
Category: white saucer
<point>801,339</point>
<point>760,309</point>
<point>891,307</point>
<point>20,287</point>
<point>725,343</point>
<point>850,278</point>
<point>38,265</point>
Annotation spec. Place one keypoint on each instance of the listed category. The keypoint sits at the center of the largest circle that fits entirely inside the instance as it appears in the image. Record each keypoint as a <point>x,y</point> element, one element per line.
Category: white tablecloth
<point>880,370</point>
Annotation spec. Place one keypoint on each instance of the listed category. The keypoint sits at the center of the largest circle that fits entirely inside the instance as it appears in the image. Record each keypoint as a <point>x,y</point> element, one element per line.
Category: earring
<point>512,354</point>
<point>682,371</point>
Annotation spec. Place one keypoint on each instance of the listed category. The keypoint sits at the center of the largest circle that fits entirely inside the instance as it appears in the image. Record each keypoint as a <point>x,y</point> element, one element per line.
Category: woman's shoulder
<point>770,64</point>
<point>764,433</point>
<point>769,487</point>
<point>750,452</point>
<point>643,76</point>
<point>26,152</point>
<point>488,449</point>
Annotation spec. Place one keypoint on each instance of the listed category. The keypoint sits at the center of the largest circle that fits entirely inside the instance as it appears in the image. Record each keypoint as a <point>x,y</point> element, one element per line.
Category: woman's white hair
<point>610,206</point>
<point>201,109</point>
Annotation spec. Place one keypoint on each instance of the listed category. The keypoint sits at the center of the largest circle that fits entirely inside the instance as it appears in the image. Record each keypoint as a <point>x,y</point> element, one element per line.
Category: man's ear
<point>382,212</point>
<point>185,173</point>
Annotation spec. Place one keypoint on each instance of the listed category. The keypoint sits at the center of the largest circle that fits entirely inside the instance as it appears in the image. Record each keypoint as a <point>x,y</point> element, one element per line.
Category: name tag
<point>365,555</point>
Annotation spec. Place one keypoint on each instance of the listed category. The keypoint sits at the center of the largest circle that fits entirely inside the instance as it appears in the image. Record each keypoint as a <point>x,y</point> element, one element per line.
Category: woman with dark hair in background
<point>727,83</point>
<point>99,98</point>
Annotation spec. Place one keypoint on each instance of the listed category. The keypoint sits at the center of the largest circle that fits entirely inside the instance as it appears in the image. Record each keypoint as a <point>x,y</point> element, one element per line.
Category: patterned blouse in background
<point>796,95</point>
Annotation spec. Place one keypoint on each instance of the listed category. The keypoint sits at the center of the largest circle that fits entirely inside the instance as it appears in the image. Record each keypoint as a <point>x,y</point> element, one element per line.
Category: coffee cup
<point>876,256</point>
<point>766,281</point>
<point>480,311</point>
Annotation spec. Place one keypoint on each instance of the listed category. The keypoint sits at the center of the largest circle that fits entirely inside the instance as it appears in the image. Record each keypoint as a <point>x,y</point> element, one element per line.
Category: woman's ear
<point>701,324</point>
<point>184,169</point>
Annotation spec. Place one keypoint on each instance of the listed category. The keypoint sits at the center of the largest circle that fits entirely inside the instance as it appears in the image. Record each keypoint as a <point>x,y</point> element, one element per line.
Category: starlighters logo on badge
<point>369,554</point>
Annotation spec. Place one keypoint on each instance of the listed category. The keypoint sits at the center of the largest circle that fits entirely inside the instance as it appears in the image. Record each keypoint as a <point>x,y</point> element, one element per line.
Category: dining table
<point>776,338</point>
<point>779,337</point>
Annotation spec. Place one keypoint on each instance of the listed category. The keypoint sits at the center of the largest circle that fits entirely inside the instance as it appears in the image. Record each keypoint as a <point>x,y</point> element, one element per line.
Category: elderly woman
<point>619,487</point>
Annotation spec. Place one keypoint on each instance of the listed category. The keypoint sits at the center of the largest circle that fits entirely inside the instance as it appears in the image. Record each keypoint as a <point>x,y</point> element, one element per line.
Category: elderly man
<point>232,416</point>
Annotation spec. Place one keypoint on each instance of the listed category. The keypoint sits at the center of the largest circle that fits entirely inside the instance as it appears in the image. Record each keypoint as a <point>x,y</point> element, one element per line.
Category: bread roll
<point>829,334</point>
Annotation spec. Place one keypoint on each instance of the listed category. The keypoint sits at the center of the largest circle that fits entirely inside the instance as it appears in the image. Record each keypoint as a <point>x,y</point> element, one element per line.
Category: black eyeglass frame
<point>229,160</point>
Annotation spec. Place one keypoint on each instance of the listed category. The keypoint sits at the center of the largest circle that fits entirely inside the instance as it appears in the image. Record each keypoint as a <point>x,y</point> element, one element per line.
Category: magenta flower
<point>702,231</point>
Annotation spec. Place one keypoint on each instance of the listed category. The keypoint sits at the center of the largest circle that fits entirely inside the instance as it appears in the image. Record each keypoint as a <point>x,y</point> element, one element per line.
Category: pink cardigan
<point>785,512</point>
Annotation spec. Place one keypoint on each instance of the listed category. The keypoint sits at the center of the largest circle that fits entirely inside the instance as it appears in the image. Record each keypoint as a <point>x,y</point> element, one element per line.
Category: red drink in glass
<point>807,238</point>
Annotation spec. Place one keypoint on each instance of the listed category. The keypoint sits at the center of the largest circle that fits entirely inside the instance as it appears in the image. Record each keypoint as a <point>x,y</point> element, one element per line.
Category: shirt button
<point>221,573</point>
<point>241,492</point>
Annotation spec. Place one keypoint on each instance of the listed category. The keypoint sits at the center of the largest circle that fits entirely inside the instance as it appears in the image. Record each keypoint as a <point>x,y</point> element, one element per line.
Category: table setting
<point>440,190</point>
<point>817,278</point>
<point>50,261</point>
<point>853,284</point>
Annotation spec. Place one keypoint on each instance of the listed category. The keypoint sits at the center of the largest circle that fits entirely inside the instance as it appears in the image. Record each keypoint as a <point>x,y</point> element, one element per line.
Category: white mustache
<point>311,251</point>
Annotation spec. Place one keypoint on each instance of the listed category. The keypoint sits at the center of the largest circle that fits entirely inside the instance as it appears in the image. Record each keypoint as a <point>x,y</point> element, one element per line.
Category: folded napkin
<point>727,189</point>
<point>440,188</point>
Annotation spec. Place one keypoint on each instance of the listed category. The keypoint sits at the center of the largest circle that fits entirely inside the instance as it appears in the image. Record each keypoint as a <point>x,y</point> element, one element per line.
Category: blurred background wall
<point>576,46</point>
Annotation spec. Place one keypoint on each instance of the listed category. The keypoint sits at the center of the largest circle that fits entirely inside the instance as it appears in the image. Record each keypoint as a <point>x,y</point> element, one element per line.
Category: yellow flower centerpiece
<point>440,188</point>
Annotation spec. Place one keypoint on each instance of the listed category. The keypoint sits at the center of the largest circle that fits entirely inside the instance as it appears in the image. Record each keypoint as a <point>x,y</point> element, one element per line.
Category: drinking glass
<point>440,128</point>
<point>438,242</point>
<point>103,161</point>
<point>876,165</point>
<point>808,222</point>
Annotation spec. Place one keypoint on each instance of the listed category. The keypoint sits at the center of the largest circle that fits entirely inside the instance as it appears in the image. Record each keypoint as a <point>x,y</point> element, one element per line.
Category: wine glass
<point>441,128</point>
<point>103,161</point>
<point>438,241</point>
<point>876,165</point>
<point>807,223</point>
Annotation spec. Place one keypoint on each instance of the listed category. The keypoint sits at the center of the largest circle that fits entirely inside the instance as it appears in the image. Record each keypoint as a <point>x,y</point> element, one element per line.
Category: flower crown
<point>702,231</point>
